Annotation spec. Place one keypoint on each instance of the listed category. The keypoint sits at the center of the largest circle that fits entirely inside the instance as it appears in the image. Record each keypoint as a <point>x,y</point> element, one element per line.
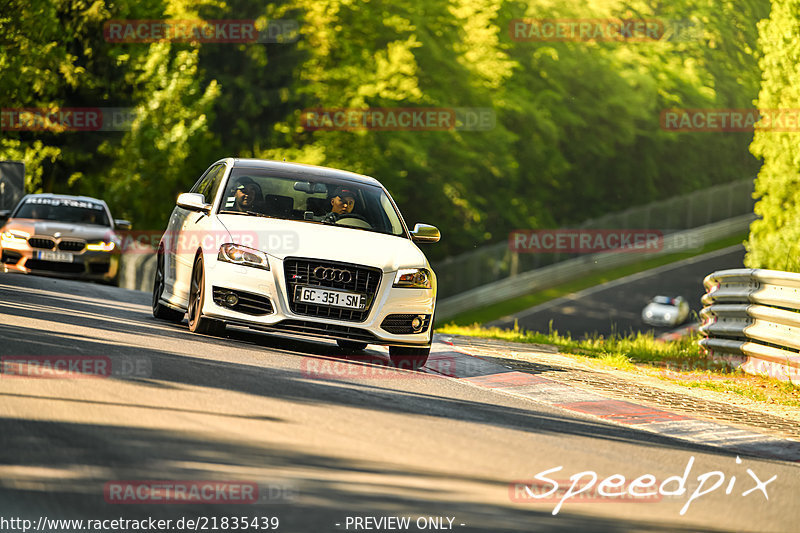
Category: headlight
<point>101,246</point>
<point>415,278</point>
<point>242,255</point>
<point>667,316</point>
<point>14,236</point>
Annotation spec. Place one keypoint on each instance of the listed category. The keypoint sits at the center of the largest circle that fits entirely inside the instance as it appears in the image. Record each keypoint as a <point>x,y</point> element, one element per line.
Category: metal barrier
<point>496,262</point>
<point>751,319</point>
<point>546,277</point>
<point>137,269</point>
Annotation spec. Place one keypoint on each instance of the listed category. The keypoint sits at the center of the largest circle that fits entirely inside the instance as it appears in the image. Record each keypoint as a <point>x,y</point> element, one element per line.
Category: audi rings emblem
<point>333,274</point>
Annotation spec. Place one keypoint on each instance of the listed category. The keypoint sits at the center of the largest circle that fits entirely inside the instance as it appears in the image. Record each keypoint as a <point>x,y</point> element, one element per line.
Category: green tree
<point>773,241</point>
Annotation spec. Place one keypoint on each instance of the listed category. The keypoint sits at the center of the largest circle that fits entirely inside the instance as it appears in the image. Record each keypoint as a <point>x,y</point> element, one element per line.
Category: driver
<point>343,201</point>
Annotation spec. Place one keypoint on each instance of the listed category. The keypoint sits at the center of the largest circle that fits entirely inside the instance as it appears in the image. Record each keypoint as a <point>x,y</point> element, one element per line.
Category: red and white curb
<point>451,361</point>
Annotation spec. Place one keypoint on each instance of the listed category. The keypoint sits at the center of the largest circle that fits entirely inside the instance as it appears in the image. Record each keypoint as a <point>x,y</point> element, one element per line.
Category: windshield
<point>663,300</point>
<point>254,192</point>
<point>63,210</point>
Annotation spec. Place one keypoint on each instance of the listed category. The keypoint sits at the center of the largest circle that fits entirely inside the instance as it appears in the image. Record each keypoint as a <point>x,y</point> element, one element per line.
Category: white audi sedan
<point>301,249</point>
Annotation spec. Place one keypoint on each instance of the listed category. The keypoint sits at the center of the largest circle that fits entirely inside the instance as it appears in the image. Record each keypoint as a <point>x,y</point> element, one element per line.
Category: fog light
<point>231,299</point>
<point>416,323</point>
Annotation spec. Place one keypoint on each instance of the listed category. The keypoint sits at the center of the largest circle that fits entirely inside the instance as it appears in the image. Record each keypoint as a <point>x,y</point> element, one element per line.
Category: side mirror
<point>4,214</point>
<point>122,224</point>
<point>193,201</point>
<point>425,233</point>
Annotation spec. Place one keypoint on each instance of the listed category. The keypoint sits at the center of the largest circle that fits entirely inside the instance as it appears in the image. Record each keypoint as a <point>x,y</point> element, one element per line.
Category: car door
<point>183,232</point>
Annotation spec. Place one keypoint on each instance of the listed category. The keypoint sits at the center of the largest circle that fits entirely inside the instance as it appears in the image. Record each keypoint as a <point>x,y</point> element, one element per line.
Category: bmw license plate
<point>60,257</point>
<point>347,300</point>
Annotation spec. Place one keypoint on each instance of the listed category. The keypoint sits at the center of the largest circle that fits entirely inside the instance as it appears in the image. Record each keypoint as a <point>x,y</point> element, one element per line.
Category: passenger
<point>247,195</point>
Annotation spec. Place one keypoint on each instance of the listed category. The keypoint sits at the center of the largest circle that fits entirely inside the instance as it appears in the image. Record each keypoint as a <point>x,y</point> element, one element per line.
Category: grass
<point>680,362</point>
<point>623,351</point>
<point>515,305</point>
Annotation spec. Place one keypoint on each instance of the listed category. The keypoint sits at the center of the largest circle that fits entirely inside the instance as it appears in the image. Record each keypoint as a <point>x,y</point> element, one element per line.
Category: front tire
<point>160,310</point>
<point>409,358</point>
<point>197,322</point>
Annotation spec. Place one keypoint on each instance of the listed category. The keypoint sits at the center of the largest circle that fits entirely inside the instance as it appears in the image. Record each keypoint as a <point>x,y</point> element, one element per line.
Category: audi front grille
<point>331,275</point>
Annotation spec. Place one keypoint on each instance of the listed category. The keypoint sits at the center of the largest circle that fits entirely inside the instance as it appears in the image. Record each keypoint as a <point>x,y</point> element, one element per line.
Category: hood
<point>289,238</point>
<point>66,230</point>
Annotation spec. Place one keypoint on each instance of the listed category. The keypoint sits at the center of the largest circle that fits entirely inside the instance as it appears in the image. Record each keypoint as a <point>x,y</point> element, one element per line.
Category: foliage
<point>576,130</point>
<point>774,237</point>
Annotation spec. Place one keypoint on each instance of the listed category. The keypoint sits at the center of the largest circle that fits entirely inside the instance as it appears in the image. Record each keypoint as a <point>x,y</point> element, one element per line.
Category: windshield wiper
<point>253,213</point>
<point>256,213</point>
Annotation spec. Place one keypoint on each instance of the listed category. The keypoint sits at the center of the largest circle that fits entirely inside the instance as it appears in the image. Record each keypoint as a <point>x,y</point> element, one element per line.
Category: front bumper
<point>86,265</point>
<point>265,293</point>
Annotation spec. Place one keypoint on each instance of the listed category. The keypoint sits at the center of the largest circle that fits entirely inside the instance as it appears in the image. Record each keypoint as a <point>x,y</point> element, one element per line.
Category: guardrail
<point>495,262</point>
<point>751,320</point>
<point>137,269</point>
<point>546,277</point>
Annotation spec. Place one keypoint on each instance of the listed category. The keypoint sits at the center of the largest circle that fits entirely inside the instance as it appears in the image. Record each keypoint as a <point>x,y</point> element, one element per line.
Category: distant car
<point>63,236</point>
<point>259,244</point>
<point>665,311</point>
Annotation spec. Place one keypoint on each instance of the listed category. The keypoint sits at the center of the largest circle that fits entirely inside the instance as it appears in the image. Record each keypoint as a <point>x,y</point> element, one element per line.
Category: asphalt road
<point>617,306</point>
<point>374,442</point>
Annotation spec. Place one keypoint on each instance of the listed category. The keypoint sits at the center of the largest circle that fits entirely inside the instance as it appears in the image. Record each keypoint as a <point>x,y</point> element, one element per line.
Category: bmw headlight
<point>415,278</point>
<point>14,236</point>
<point>101,246</point>
<point>242,255</point>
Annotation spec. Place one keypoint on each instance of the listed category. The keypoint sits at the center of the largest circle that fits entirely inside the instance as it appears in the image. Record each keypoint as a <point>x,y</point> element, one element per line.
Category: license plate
<point>347,300</point>
<point>60,257</point>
